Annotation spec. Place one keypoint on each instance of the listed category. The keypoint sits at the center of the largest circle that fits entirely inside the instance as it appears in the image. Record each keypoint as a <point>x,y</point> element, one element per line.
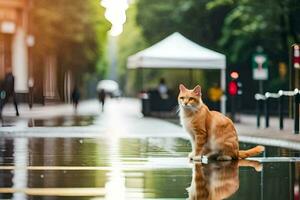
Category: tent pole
<point>223,87</point>
<point>142,79</point>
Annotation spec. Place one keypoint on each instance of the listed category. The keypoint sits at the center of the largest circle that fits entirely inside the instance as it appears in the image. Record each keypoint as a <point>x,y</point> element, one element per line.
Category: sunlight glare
<point>115,14</point>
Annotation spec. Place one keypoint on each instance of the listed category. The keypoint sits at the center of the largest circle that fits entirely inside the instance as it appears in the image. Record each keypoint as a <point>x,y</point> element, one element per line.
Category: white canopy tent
<point>177,52</point>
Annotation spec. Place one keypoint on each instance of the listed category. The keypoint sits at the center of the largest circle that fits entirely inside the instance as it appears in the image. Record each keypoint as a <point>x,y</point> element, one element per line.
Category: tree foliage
<point>73,31</point>
<point>159,19</point>
<point>129,42</point>
<point>270,24</point>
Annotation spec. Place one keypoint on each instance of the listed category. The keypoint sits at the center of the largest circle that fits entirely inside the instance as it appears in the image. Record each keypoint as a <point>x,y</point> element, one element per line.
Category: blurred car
<point>110,87</point>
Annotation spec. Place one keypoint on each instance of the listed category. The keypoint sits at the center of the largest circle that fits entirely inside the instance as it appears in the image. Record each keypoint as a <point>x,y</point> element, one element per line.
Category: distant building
<point>17,52</point>
<point>14,43</point>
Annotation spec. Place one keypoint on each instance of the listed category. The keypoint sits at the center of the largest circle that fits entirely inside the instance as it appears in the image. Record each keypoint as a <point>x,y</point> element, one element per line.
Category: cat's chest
<point>187,123</point>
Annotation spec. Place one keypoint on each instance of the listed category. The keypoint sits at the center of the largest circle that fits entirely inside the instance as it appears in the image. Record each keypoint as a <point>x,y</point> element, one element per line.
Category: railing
<point>260,98</point>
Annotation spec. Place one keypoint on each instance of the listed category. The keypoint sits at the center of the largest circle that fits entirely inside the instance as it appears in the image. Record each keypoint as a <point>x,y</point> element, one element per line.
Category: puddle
<point>65,121</point>
<point>131,168</point>
<point>8,122</point>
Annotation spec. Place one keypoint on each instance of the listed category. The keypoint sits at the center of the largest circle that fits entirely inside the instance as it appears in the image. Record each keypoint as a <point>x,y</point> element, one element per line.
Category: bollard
<point>280,108</point>
<point>258,112</point>
<point>296,112</point>
<point>267,112</point>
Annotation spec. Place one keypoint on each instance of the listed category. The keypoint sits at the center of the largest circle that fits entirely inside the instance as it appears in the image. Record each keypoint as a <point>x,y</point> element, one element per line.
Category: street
<point>119,154</point>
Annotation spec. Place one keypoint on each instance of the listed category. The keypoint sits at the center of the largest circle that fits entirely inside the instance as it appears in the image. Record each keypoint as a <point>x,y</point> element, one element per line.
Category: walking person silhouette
<point>75,97</point>
<point>101,97</point>
<point>7,91</point>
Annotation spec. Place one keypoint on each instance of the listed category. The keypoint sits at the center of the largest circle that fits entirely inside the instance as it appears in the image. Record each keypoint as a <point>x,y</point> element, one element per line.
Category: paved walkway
<point>248,132</point>
<point>123,118</point>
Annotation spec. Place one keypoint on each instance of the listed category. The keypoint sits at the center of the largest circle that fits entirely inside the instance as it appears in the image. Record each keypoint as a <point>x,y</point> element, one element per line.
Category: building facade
<point>15,42</point>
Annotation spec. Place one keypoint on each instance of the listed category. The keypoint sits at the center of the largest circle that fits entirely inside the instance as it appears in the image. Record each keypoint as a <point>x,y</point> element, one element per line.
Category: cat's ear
<point>197,90</point>
<point>182,87</point>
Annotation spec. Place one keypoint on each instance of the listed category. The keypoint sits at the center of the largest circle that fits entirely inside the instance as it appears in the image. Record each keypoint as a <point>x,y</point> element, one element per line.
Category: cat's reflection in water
<point>217,180</point>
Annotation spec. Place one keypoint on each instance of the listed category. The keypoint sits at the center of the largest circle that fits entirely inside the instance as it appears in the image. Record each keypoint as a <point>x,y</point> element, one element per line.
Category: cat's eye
<point>181,98</point>
<point>191,99</point>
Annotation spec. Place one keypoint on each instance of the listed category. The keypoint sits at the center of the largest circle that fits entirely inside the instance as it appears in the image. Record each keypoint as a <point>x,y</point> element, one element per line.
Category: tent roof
<point>176,51</point>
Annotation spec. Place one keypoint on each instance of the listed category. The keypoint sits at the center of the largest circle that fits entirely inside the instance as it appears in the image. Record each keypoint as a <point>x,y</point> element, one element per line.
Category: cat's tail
<point>251,152</point>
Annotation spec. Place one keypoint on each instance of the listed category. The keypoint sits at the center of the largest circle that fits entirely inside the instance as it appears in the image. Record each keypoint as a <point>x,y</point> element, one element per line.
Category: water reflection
<point>110,168</point>
<point>217,180</point>
<point>20,173</point>
<point>131,168</point>
<point>74,120</point>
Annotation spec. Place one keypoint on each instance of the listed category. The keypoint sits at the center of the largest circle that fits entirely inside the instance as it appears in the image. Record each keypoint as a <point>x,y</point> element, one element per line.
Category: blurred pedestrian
<point>75,97</point>
<point>163,89</point>
<point>7,91</point>
<point>2,100</point>
<point>214,94</point>
<point>102,96</point>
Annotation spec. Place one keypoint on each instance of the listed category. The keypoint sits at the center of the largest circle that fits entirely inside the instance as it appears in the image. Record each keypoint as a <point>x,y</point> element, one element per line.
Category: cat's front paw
<point>197,158</point>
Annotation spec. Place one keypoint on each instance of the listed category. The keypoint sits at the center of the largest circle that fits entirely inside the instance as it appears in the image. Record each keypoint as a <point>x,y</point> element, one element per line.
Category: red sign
<point>232,88</point>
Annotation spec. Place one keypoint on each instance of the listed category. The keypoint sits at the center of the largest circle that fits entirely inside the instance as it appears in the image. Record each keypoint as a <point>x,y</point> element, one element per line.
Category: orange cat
<point>212,134</point>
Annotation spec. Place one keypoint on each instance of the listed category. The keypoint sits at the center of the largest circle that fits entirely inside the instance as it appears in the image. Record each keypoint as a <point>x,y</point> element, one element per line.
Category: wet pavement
<point>136,168</point>
<point>119,154</point>
<point>62,121</point>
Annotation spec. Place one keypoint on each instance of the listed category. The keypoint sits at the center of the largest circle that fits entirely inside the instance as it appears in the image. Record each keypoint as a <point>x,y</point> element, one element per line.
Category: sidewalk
<point>122,118</point>
<point>248,132</point>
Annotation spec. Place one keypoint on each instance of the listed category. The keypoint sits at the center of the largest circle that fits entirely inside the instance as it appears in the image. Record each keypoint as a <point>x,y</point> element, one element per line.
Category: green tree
<point>270,24</point>
<point>159,19</point>
<point>72,31</point>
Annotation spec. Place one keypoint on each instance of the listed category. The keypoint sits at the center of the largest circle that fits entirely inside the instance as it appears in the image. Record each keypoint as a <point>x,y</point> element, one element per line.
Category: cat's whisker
<point>177,109</point>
